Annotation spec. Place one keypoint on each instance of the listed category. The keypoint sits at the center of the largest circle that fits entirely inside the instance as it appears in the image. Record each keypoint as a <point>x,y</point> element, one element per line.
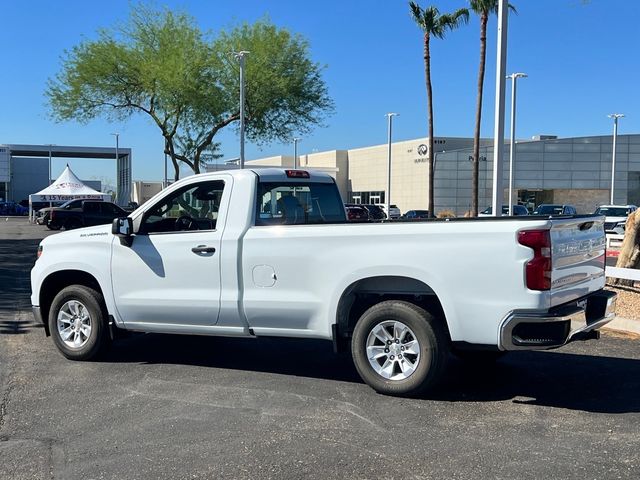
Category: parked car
<point>200,258</point>
<point>376,212</point>
<point>12,208</point>
<point>415,214</point>
<point>356,213</point>
<point>516,210</point>
<point>615,217</point>
<point>552,209</point>
<point>394,212</point>
<point>42,215</point>
<point>87,214</point>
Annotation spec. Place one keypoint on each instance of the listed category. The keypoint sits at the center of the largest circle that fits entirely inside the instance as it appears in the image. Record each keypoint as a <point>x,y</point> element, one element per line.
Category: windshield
<point>71,204</point>
<point>549,210</point>
<point>613,211</point>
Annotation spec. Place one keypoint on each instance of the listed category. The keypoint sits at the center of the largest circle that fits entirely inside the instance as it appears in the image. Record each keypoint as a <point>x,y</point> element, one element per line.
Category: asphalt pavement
<point>179,407</point>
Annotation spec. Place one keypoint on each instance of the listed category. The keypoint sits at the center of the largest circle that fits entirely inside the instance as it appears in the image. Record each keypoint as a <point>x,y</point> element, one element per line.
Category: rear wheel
<point>399,348</point>
<point>77,322</point>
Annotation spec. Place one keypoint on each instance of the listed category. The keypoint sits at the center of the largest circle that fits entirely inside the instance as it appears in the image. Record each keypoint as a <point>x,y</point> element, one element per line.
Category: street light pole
<point>240,57</point>
<point>498,131</point>
<point>295,152</point>
<point>118,180</point>
<point>512,150</point>
<point>615,117</point>
<point>389,116</point>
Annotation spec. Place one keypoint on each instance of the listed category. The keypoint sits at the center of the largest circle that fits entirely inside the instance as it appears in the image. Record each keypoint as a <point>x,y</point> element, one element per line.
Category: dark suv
<point>553,209</point>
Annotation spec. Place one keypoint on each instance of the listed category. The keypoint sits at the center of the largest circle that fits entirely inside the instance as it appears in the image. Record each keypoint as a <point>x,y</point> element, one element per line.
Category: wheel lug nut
<point>399,355</point>
<point>391,357</point>
<point>397,340</point>
<point>386,350</point>
<point>402,348</point>
<point>388,342</point>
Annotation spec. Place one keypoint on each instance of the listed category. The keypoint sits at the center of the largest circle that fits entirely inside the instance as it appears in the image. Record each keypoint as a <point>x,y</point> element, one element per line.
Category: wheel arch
<point>56,281</point>
<point>366,292</point>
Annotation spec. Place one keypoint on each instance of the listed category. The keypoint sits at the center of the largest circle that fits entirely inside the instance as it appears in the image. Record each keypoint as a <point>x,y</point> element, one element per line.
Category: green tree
<point>482,8</point>
<point>433,24</point>
<point>187,82</point>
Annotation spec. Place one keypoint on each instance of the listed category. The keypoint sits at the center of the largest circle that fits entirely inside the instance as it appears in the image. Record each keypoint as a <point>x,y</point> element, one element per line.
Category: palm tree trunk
<point>427,73</point>
<point>476,135</point>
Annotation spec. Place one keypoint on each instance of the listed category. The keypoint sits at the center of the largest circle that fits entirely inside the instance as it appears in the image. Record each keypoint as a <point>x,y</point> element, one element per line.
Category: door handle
<point>203,249</point>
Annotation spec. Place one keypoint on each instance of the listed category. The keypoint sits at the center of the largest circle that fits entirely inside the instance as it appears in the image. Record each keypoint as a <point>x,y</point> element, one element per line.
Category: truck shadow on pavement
<point>554,379</point>
<point>16,259</point>
<point>591,383</point>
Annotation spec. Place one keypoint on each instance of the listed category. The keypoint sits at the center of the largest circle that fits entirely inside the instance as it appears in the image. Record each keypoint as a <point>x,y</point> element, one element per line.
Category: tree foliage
<point>187,82</point>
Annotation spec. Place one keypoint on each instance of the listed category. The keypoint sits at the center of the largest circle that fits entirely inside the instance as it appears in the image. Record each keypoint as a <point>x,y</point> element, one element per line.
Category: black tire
<point>72,223</point>
<point>53,226</point>
<point>427,330</point>
<point>98,338</point>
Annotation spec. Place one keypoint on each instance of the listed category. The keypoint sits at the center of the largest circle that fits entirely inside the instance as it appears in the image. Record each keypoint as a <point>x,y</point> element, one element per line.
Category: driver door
<point>170,274</point>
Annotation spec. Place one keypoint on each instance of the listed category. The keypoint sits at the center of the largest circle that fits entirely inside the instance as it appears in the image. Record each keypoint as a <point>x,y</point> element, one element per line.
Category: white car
<point>615,217</point>
<point>394,212</point>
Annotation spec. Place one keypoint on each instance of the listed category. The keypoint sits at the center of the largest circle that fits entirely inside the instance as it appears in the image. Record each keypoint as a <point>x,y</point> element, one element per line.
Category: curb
<point>624,324</point>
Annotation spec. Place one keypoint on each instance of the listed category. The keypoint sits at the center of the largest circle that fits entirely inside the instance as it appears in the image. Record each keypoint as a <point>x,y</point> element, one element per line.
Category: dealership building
<point>546,169</point>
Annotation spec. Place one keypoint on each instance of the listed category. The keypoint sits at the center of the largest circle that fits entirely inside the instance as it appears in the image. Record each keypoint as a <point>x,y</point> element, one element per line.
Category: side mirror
<point>122,227</point>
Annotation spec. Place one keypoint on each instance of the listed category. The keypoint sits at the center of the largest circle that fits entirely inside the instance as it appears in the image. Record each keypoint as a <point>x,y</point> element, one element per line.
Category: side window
<point>298,204</point>
<point>91,207</point>
<point>107,208</point>
<point>193,207</point>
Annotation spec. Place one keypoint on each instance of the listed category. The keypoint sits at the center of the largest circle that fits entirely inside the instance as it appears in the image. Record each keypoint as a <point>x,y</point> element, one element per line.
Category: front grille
<point>609,225</point>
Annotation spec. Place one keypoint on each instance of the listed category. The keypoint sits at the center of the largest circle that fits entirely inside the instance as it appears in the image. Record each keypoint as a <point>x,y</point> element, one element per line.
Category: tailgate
<point>578,257</point>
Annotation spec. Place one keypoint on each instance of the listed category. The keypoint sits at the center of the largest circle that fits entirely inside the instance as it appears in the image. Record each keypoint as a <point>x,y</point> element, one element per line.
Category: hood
<point>611,219</point>
<point>99,232</point>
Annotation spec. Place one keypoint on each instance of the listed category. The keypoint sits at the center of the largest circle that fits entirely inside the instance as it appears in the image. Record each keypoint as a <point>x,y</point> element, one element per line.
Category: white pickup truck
<point>268,252</point>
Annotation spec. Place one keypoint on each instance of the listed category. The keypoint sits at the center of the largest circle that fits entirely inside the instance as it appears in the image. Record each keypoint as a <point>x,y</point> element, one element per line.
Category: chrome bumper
<point>559,326</point>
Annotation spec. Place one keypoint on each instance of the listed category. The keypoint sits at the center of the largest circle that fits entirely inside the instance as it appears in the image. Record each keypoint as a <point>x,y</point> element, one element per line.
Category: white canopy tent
<point>66,187</point>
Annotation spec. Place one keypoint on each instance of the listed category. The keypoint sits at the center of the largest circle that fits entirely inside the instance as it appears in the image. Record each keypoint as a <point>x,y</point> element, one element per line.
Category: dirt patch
<point>628,302</point>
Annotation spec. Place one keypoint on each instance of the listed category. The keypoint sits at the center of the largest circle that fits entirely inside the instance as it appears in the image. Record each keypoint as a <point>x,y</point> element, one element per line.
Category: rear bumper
<point>577,320</point>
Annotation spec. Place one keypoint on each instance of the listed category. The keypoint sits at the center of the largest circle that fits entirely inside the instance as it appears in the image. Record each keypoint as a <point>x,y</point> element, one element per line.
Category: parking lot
<point>183,407</point>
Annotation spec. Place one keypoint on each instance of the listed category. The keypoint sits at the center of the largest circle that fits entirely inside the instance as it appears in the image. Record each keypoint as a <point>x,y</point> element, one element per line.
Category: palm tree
<point>482,8</point>
<point>434,24</point>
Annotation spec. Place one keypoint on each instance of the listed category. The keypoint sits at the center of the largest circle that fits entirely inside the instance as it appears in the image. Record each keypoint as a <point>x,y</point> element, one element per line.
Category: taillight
<point>538,269</point>
<point>39,254</point>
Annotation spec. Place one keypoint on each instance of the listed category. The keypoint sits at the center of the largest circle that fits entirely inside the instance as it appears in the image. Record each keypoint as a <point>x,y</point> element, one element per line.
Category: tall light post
<point>615,117</point>
<point>389,116</point>
<point>118,180</point>
<point>512,149</point>
<point>498,131</point>
<point>240,57</point>
<point>295,152</point>
<point>49,180</point>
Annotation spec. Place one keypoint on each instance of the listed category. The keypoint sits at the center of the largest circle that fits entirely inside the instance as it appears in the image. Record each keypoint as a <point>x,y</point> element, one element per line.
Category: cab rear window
<point>298,203</point>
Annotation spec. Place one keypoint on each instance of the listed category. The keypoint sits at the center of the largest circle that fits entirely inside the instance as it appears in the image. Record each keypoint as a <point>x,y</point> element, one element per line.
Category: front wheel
<point>399,348</point>
<point>77,322</point>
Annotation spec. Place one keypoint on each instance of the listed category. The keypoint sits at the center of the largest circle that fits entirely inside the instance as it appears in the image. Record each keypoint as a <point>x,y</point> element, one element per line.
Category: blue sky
<point>581,58</point>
